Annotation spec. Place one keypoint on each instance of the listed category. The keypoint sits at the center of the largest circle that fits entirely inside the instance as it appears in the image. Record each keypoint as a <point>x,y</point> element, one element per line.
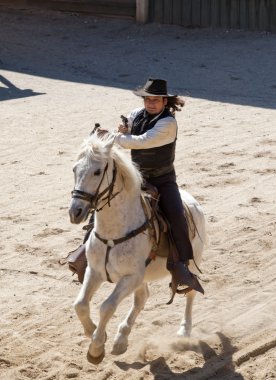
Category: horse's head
<point>94,174</point>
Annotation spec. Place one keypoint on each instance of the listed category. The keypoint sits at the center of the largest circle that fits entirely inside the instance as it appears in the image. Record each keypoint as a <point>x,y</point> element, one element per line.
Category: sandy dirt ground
<point>61,73</point>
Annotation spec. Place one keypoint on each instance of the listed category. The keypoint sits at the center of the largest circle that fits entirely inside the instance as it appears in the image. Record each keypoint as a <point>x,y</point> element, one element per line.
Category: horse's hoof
<point>119,349</point>
<point>95,359</point>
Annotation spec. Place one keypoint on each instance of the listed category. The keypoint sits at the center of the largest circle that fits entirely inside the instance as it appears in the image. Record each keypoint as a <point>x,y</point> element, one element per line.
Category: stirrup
<point>182,276</point>
<point>77,262</point>
<point>183,289</point>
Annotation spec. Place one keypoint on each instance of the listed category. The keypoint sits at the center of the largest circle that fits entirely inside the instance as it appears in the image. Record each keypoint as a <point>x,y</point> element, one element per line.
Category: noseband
<point>94,199</point>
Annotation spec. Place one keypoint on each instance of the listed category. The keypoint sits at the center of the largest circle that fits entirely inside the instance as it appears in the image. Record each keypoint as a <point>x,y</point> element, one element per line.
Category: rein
<point>94,199</point>
<point>111,243</point>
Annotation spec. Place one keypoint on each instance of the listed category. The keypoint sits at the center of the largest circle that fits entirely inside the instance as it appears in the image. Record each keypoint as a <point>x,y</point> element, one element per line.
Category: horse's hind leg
<point>186,323</point>
<point>141,295</point>
<point>90,284</point>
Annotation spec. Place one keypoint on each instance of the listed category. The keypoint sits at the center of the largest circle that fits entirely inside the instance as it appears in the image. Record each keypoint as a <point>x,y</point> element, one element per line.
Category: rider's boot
<point>183,281</point>
<point>184,278</point>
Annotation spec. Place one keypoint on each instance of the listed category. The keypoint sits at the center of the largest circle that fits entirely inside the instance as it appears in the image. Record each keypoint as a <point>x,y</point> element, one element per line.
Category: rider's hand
<point>122,128</point>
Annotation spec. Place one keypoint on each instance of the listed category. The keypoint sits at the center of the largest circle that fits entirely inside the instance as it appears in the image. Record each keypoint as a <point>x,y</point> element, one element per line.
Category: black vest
<point>157,161</point>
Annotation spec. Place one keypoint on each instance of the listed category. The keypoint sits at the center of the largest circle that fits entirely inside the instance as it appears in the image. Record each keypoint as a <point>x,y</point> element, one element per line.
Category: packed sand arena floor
<point>61,73</point>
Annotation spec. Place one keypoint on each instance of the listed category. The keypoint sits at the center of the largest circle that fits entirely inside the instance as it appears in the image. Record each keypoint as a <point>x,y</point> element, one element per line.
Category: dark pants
<point>171,204</point>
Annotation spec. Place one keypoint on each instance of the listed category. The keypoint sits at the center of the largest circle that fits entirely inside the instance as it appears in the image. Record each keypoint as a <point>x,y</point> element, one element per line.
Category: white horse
<point>106,180</point>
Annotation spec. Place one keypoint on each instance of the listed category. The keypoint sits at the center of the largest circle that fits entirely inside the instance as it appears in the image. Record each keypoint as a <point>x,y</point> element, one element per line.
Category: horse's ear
<point>97,125</point>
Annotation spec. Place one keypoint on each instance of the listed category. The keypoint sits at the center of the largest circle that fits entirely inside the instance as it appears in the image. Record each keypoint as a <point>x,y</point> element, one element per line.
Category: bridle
<point>94,199</point>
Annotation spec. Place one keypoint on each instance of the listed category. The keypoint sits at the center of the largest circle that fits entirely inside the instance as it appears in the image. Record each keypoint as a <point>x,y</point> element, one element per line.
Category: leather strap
<point>111,243</point>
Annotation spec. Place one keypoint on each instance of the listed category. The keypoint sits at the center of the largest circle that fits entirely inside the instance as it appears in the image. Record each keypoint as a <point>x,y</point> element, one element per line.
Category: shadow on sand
<point>10,91</point>
<point>215,366</point>
<point>224,66</point>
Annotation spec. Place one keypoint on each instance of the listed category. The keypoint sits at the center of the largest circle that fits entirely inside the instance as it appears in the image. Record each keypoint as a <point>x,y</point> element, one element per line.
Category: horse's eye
<point>97,172</point>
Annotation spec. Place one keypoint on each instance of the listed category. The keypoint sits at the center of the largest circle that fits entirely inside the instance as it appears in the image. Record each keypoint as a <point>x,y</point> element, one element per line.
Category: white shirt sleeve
<point>132,116</point>
<point>164,132</point>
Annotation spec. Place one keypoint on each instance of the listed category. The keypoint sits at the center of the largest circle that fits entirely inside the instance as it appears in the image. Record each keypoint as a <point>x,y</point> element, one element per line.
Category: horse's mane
<point>95,148</point>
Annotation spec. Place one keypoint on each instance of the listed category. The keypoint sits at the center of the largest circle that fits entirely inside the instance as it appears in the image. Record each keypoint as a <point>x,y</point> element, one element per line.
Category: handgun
<point>124,120</point>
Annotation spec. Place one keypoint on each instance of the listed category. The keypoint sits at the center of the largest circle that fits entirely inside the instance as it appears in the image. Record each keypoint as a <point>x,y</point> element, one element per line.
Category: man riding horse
<point>150,133</point>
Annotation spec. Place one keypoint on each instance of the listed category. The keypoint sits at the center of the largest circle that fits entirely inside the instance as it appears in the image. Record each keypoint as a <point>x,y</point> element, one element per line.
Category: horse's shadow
<point>10,91</point>
<point>215,366</point>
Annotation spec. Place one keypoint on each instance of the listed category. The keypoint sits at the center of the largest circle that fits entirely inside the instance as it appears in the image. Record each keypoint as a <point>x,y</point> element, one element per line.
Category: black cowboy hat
<point>153,87</point>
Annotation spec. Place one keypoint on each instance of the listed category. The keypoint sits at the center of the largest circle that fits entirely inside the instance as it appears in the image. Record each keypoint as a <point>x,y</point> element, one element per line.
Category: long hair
<point>175,103</point>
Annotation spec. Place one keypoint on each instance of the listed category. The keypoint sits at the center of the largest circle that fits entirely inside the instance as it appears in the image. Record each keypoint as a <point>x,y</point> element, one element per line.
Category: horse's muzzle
<point>78,211</point>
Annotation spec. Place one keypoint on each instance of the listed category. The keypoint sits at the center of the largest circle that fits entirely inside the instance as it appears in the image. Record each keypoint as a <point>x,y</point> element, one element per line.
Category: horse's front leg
<point>141,295</point>
<point>91,283</point>
<point>123,288</point>
<point>186,323</point>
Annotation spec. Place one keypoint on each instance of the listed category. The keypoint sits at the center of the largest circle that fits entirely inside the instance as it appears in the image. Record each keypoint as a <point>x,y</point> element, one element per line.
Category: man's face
<point>154,104</point>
